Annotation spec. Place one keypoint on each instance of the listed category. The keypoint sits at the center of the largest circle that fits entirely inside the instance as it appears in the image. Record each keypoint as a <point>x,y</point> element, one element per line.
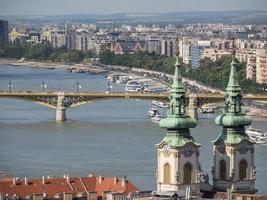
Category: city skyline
<point>49,7</point>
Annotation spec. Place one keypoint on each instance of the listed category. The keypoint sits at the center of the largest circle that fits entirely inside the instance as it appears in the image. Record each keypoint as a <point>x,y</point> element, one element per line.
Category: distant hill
<point>231,17</point>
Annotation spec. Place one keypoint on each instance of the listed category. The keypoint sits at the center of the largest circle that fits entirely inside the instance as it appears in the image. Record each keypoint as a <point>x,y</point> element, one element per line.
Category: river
<point>112,138</point>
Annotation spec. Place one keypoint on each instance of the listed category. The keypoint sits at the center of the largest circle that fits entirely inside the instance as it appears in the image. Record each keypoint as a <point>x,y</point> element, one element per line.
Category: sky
<point>64,7</point>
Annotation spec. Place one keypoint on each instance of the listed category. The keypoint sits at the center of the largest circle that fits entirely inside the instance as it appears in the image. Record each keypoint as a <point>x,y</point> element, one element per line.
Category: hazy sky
<point>48,7</point>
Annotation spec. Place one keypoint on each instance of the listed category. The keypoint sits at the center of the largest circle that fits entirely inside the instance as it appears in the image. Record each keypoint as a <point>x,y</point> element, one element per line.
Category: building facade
<point>261,65</point>
<point>3,32</point>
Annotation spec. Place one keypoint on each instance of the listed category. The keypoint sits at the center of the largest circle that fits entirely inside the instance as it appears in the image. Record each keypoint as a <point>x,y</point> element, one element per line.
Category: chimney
<point>43,180</point>
<point>91,175</point>
<point>68,179</point>
<point>25,181</point>
<point>123,181</point>
<point>14,181</point>
<point>100,179</point>
<point>115,180</point>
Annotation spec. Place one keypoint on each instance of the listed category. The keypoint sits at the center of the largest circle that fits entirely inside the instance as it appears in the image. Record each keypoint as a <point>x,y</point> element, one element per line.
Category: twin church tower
<point>233,153</point>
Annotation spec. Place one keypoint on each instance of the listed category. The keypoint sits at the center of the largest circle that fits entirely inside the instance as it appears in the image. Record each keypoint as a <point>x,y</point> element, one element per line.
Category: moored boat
<point>133,86</point>
<point>256,135</point>
<point>156,118</point>
<point>152,112</point>
<point>160,104</point>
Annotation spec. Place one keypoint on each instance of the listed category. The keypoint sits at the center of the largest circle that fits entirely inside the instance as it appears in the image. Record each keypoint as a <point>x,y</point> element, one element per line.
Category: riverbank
<point>80,68</point>
<point>22,62</point>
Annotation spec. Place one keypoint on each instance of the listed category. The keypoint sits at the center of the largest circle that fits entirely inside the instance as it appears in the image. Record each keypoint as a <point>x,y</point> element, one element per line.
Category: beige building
<point>261,66</point>
<point>214,53</point>
<point>251,66</point>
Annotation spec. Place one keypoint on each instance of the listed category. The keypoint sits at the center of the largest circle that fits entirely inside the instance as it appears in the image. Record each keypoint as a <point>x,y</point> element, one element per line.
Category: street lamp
<point>78,86</point>
<point>10,86</point>
<point>43,86</point>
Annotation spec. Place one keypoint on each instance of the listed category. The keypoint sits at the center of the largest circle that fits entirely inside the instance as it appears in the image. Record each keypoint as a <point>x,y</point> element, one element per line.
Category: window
<point>243,165</point>
<point>222,170</point>
<point>187,173</point>
<point>167,174</point>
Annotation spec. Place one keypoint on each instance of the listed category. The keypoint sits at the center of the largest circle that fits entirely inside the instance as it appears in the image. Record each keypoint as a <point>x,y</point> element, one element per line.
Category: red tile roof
<point>55,186</point>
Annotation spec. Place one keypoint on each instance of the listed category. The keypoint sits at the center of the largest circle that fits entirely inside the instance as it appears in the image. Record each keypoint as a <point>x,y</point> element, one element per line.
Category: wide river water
<point>112,138</point>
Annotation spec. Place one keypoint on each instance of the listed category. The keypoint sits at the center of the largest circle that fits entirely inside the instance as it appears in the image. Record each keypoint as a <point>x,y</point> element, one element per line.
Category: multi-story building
<point>46,37</point>
<point>168,47</point>
<point>35,38</point>
<point>3,32</point>
<point>214,53</point>
<point>70,40</point>
<point>153,46</point>
<point>185,50</point>
<point>58,40</point>
<point>261,65</point>
<point>196,51</point>
<point>195,55</point>
<point>251,66</point>
<point>82,41</point>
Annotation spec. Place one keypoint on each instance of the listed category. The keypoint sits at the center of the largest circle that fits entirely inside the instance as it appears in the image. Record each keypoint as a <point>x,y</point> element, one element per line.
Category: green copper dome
<point>176,115</point>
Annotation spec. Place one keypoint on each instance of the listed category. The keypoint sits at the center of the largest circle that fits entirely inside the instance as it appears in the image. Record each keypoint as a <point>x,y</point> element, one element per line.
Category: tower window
<point>243,165</point>
<point>222,170</point>
<point>187,173</point>
<point>167,173</point>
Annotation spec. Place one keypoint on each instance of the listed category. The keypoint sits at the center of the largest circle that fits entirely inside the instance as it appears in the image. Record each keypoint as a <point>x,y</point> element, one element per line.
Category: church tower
<point>233,152</point>
<point>178,153</point>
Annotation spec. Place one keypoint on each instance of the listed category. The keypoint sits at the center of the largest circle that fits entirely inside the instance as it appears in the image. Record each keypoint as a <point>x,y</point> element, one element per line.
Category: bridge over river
<point>60,101</point>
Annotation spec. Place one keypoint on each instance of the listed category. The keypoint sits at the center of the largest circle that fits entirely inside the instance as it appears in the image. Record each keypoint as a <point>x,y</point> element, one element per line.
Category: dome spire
<point>233,85</point>
<point>177,85</point>
<point>176,115</point>
<point>233,115</point>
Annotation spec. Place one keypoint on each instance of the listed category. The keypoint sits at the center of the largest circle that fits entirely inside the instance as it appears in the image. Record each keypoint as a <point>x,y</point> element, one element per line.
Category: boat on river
<point>152,112</point>
<point>156,118</point>
<point>256,135</point>
<point>160,104</point>
<point>133,86</point>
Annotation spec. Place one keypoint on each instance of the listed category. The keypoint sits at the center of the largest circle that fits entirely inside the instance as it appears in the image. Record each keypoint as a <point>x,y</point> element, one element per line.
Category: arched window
<point>187,173</point>
<point>167,174</point>
<point>243,165</point>
<point>222,170</point>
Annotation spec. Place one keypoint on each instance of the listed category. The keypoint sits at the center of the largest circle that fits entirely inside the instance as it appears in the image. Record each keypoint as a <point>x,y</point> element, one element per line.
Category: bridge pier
<point>61,114</point>
<point>60,109</point>
<point>192,107</point>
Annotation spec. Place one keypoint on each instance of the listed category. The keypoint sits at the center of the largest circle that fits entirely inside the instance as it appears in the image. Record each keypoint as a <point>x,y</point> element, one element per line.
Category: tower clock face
<point>166,149</point>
